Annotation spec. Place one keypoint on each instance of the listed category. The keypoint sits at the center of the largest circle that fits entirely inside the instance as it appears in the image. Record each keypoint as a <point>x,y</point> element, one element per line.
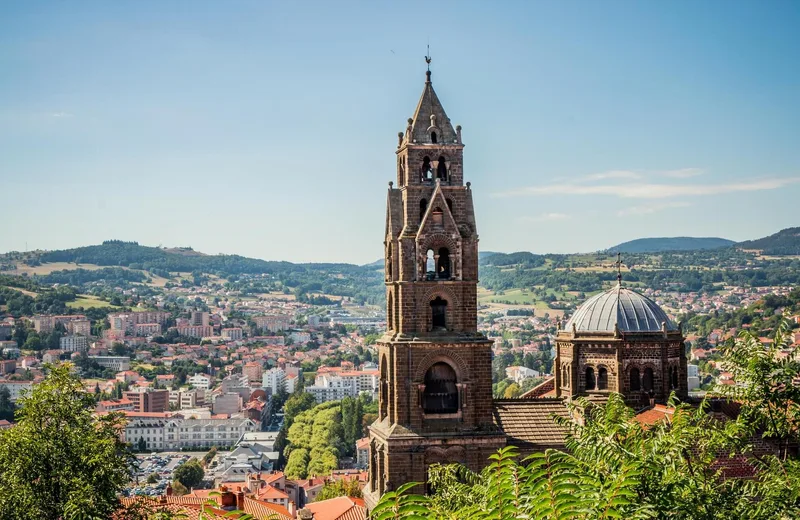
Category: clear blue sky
<point>268,129</point>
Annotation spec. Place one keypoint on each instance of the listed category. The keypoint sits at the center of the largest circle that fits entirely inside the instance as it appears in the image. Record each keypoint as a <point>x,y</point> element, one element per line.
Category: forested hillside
<point>655,245</point>
<point>784,242</point>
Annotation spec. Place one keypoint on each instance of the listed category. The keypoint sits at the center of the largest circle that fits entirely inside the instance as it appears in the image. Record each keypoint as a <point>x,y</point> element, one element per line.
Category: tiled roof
<point>529,423</point>
<point>652,415</point>
<point>264,510</point>
<point>543,388</point>
<point>339,508</point>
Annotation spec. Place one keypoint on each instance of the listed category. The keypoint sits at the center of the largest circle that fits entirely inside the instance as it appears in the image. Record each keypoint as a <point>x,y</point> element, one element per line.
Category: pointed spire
<point>430,124</point>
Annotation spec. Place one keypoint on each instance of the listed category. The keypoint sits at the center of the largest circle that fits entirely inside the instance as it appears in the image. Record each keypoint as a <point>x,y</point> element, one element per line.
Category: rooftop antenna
<point>618,263</point>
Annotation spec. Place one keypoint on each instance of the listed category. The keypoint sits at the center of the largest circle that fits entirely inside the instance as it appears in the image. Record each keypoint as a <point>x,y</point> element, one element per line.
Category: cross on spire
<point>618,263</point>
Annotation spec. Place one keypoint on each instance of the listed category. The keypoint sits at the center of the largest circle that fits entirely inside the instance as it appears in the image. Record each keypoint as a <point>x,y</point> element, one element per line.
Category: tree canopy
<point>59,461</point>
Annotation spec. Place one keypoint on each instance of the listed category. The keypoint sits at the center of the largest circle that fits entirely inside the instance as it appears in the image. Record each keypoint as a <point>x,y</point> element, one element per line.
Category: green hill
<point>656,245</point>
<point>784,242</point>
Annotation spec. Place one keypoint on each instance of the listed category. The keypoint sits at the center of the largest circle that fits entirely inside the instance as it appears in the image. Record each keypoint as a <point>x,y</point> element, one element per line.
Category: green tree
<point>339,488</point>
<point>141,445</point>
<point>190,473</point>
<point>512,391</point>
<point>152,478</point>
<point>60,460</point>
<point>208,457</point>
<point>7,407</point>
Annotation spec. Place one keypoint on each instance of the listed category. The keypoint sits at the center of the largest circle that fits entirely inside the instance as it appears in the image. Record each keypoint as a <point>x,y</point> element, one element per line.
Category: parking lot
<point>162,465</point>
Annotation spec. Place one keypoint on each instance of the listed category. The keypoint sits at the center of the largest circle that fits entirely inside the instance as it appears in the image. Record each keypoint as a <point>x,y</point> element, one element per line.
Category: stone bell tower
<point>435,400</point>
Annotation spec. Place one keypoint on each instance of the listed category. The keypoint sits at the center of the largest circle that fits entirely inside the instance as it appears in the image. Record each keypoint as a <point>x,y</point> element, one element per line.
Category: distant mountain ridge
<point>660,244</point>
<point>784,242</point>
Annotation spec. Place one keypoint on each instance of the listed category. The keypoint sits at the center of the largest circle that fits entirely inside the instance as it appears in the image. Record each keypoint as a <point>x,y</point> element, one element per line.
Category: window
<point>444,264</point>
<point>602,378</point>
<point>423,205</point>
<point>590,381</point>
<point>438,314</point>
<point>390,314</point>
<point>636,383</point>
<point>426,168</point>
<point>441,169</point>
<point>433,137</point>
<point>450,206</point>
<point>441,392</point>
<point>647,380</point>
<point>430,263</point>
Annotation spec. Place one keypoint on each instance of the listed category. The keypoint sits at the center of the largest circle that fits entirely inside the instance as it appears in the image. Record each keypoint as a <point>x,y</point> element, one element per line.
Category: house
<point>362,452</point>
<point>339,508</point>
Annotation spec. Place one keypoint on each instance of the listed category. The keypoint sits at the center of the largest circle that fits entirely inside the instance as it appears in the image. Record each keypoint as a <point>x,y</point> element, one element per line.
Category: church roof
<point>529,424</point>
<point>622,308</point>
<point>422,123</point>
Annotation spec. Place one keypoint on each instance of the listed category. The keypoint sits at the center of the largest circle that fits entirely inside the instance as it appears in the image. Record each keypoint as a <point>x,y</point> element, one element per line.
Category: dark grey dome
<point>620,306</point>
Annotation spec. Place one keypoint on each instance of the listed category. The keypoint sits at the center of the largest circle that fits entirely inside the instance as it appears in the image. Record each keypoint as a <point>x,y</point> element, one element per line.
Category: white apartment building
<point>186,399</point>
<point>200,381</point>
<point>332,386</point>
<point>16,388</point>
<point>195,331</point>
<point>79,327</point>
<point>300,338</point>
<point>74,343</point>
<point>693,377</point>
<point>199,318</point>
<point>117,363</point>
<point>232,333</point>
<point>149,429</point>
<point>147,329</point>
<point>520,374</point>
<point>273,323</point>
<point>275,380</point>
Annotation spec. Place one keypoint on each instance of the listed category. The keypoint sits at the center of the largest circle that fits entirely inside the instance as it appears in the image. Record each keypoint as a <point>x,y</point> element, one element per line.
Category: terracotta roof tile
<point>529,423</point>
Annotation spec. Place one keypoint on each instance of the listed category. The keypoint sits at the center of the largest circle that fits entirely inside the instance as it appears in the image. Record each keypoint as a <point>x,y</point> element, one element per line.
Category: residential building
<point>16,388</point>
<point>228,404</point>
<point>117,363</point>
<point>79,327</point>
<point>195,331</point>
<point>45,324</point>
<point>200,381</point>
<point>313,321</point>
<point>186,399</point>
<point>362,453</point>
<point>232,333</point>
<point>8,366</point>
<point>205,433</point>
<point>147,329</point>
<point>275,380</point>
<point>333,387</point>
<point>199,319</point>
<point>300,338</point>
<point>74,343</point>
<point>115,405</point>
<point>693,377</point>
<point>273,323</point>
<point>520,374</point>
<point>148,400</point>
<point>253,371</point>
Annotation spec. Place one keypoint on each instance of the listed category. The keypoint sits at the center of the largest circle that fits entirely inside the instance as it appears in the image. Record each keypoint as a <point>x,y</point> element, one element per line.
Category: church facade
<point>435,395</point>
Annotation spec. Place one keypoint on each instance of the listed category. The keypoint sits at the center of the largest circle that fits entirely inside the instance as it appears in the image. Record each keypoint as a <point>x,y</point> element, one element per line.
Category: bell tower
<point>435,401</point>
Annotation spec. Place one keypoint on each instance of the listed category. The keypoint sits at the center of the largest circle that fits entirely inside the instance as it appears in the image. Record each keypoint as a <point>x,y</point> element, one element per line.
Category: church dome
<point>621,307</point>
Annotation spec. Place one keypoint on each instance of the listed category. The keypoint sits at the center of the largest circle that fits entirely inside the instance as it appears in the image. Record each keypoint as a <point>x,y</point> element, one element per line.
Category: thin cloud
<point>614,174</point>
<point>650,209</point>
<point>60,114</point>
<point>650,190</point>
<point>544,217</point>
<point>683,173</point>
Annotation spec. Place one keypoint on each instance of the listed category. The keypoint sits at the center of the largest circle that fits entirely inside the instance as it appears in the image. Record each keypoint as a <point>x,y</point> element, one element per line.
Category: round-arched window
<point>441,392</point>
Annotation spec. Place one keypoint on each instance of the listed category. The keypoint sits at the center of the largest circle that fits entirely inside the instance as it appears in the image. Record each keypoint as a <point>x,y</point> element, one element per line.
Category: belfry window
<point>441,392</point>
<point>441,169</point>
<point>636,383</point>
<point>426,168</point>
<point>602,378</point>
<point>450,206</point>
<point>443,271</point>
<point>590,381</point>
<point>423,206</point>
<point>430,264</point>
<point>438,314</point>
<point>647,380</point>
<point>433,137</point>
<point>674,378</point>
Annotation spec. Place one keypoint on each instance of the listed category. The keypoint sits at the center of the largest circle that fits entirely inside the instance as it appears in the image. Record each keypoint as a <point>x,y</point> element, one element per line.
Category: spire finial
<point>618,263</point>
<point>428,60</point>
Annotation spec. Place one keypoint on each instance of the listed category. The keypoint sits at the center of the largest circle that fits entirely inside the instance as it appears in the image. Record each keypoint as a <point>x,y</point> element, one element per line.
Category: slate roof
<point>529,424</point>
<point>621,307</point>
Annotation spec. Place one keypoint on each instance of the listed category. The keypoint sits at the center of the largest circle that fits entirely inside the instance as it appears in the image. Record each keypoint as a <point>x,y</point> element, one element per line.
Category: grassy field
<point>54,266</point>
<point>23,291</point>
<point>88,301</point>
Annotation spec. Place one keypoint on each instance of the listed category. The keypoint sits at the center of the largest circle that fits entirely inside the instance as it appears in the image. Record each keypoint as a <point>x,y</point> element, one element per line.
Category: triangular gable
<point>448,222</point>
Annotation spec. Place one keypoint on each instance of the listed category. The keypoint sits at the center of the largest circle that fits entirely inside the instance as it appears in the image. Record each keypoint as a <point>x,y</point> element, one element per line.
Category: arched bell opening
<point>438,314</point>
<point>591,383</point>
<point>441,390</point>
